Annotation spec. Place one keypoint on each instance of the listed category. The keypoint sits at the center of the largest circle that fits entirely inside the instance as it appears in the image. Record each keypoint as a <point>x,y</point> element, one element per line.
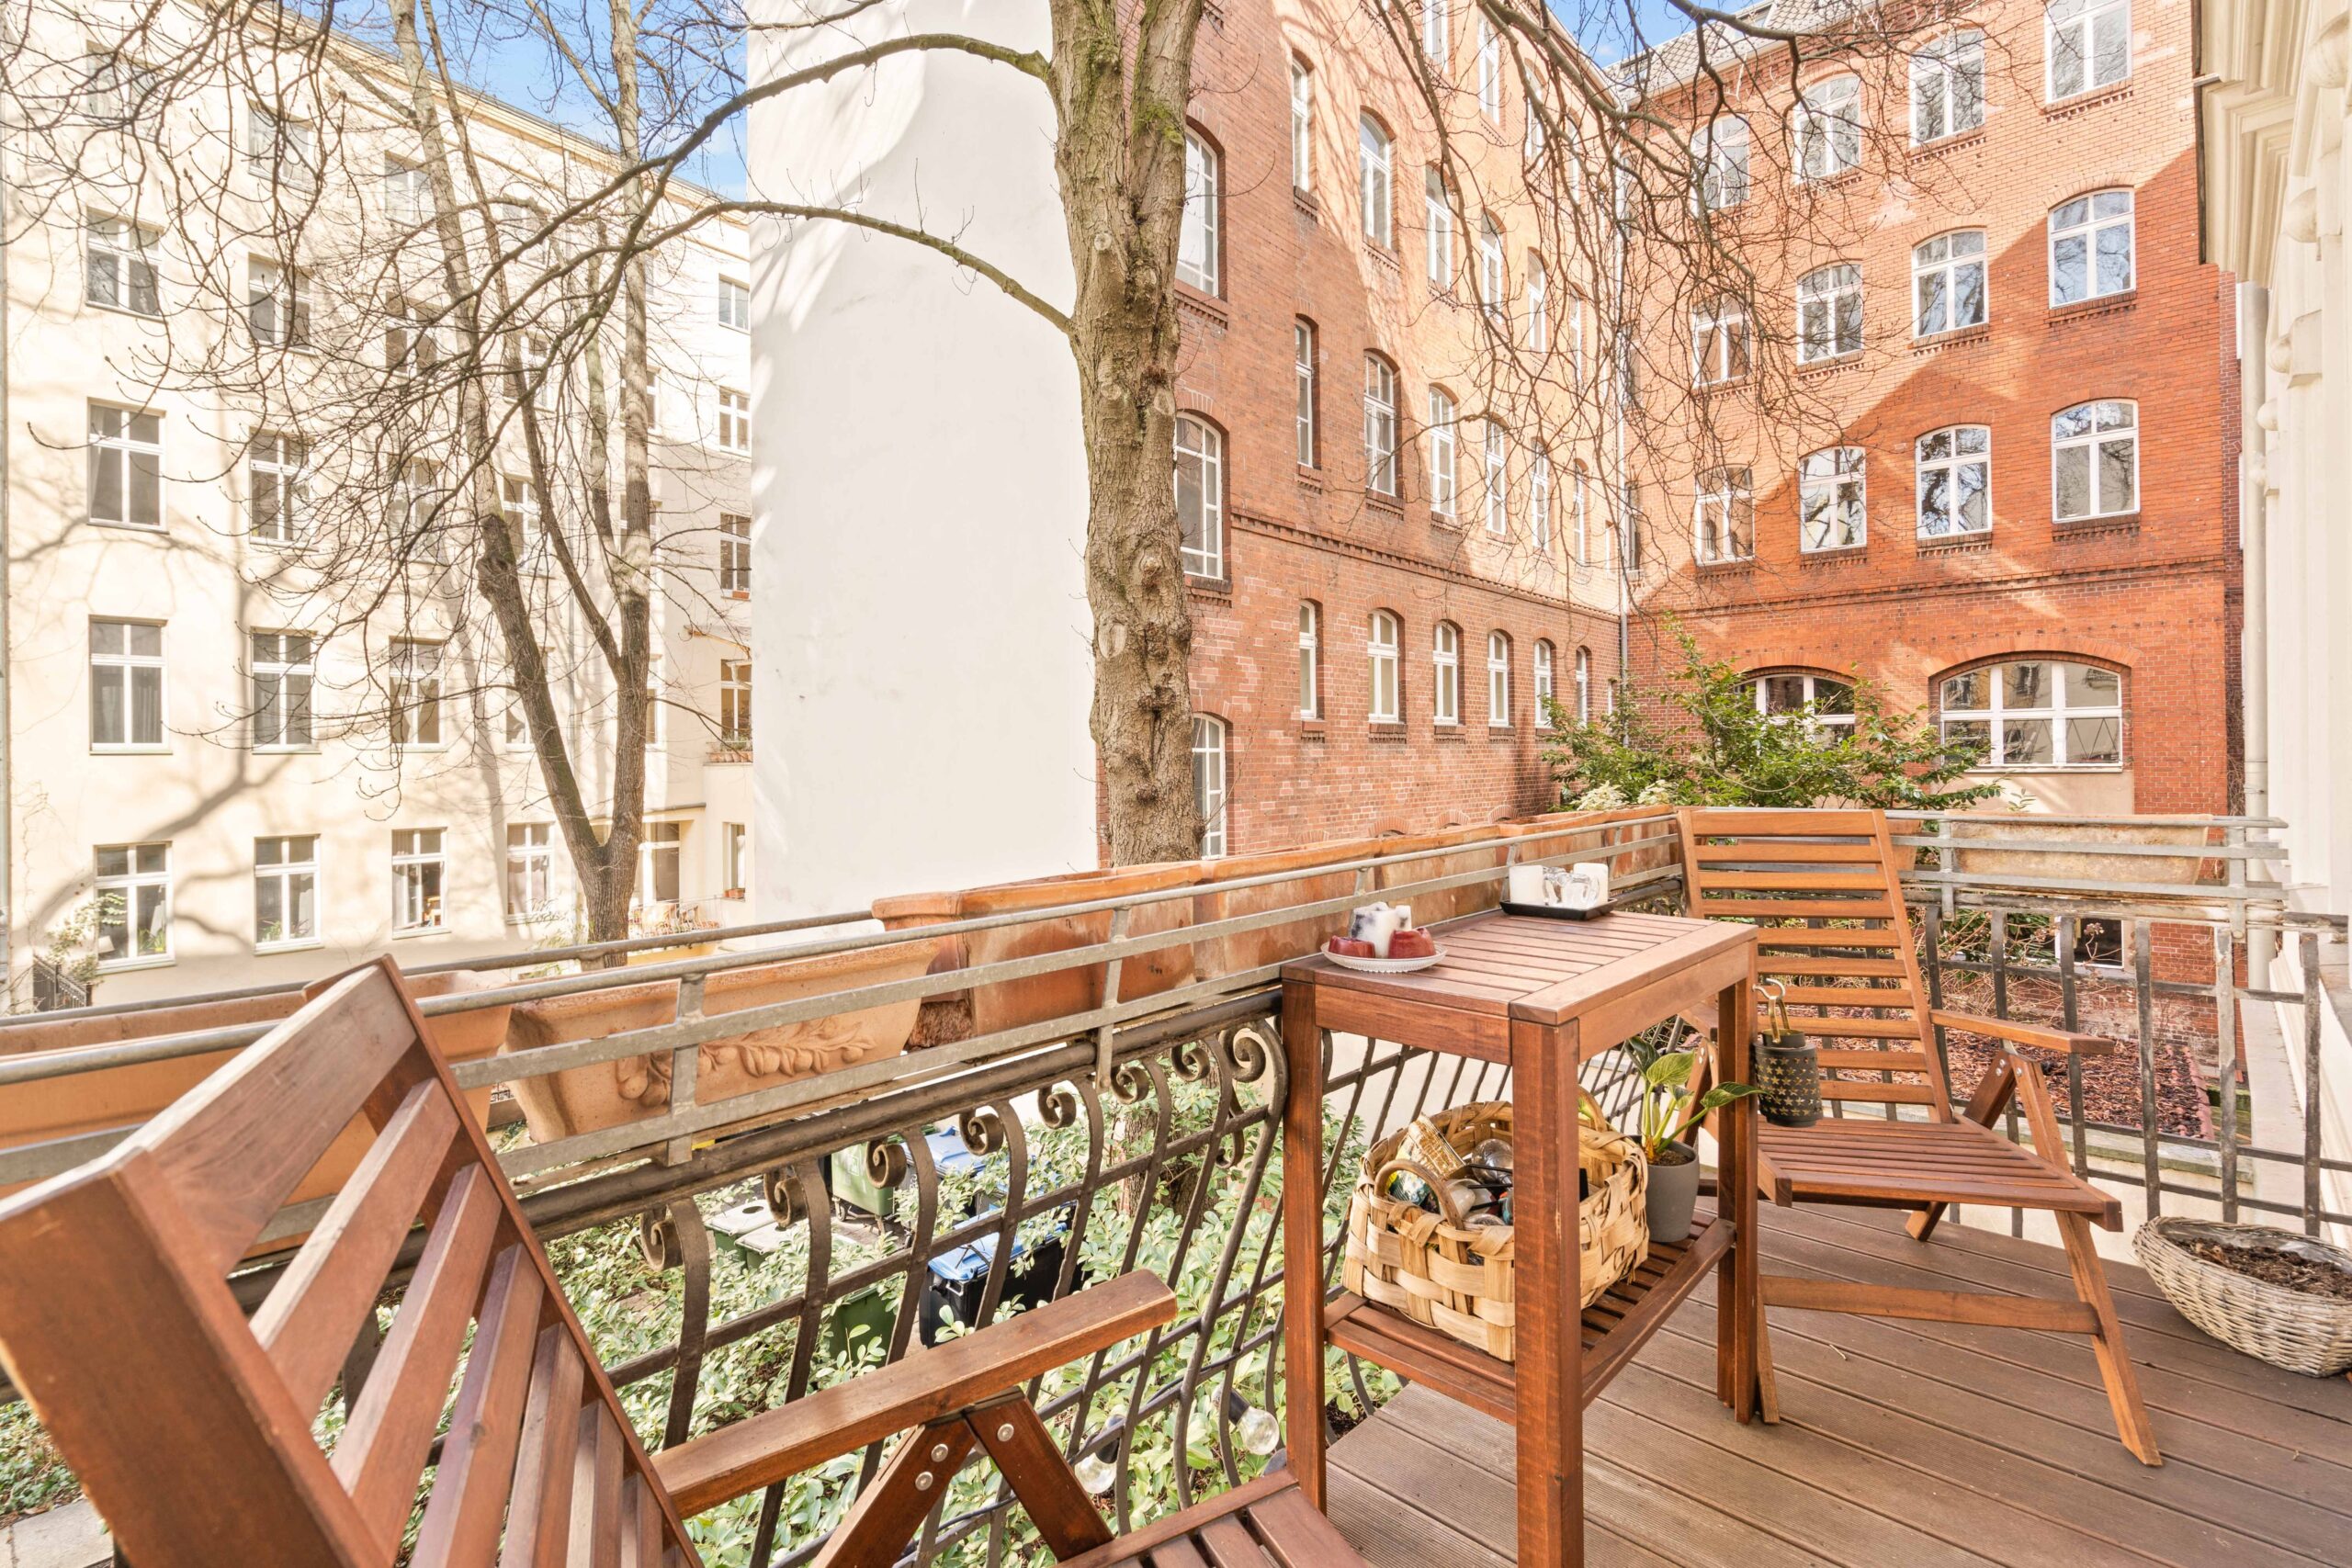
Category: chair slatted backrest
<point>192,1427</point>
<point>1823,891</point>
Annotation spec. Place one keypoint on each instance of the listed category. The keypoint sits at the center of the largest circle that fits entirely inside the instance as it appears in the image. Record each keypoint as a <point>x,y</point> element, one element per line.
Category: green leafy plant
<point>1700,741</point>
<point>1668,1108</point>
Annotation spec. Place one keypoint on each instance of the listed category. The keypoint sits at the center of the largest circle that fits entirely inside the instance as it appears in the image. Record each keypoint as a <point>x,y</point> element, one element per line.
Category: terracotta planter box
<point>1244,951</point>
<point>123,1097</point>
<point>2187,870</point>
<point>1429,909</point>
<point>1009,1004</point>
<point>1605,833</point>
<point>586,1100</point>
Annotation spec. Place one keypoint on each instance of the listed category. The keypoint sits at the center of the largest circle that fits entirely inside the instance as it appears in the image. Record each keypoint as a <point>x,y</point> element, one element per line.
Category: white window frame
<point>1584,686</point>
<point>1826,130</point>
<point>1445,457</point>
<point>1209,783</point>
<point>734,556</point>
<point>1812,691</point>
<point>1833,499</point>
<point>277,149</point>
<point>284,690</point>
<point>1719,346</point>
<point>1376,181</point>
<point>2085,233</point>
<point>735,304</point>
<point>130,455</point>
<point>1384,654</point>
<point>662,841</point>
<point>1437,230</point>
<point>1542,666</point>
<point>408,190</point>
<point>1203,551</point>
<point>274,463</point>
<point>1952,464</point>
<point>1445,674</point>
<point>122,252</point>
<point>2083,19</point>
<point>1941,266</point>
<point>2061,707</point>
<point>1496,473</point>
<point>734,859</point>
<point>420,881</point>
<point>1497,681</point>
<point>734,419</point>
<point>1436,35</point>
<point>735,704</point>
<point>295,870</point>
<point>530,856</point>
<point>1539,305</point>
<point>1723,517</point>
<point>413,704</point>
<point>1830,297</point>
<point>1720,151</point>
<point>136,878</point>
<point>1494,284</point>
<point>1303,339</point>
<point>1198,239</point>
<point>2096,426</point>
<point>1310,659</point>
<point>1539,499</point>
<point>1580,512</point>
<point>1302,125</point>
<point>1490,70</point>
<point>1938,74</point>
<point>124,664</point>
<point>1380,426</point>
<point>278,303</point>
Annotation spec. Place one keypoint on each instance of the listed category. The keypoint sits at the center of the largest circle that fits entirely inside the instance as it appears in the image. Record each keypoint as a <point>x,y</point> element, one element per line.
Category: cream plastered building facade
<point>2274,77</point>
<point>138,769</point>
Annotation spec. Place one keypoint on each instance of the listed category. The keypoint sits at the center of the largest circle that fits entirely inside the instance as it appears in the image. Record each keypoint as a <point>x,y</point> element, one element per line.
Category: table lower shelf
<point>1616,1327</point>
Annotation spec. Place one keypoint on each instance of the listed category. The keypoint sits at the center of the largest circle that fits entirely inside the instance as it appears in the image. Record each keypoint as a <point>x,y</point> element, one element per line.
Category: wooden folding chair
<point>191,1427</point>
<point>1823,887</point>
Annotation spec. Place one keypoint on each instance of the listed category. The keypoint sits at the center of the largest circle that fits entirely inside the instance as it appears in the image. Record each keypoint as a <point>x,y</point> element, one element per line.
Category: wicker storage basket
<point>1458,1280</point>
<point>2293,1330</point>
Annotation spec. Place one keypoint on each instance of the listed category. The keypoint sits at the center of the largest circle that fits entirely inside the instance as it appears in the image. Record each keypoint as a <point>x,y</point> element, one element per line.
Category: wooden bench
<point>191,1426</point>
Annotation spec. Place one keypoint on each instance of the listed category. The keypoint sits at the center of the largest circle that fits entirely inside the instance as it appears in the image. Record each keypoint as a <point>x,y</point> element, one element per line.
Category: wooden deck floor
<point>1909,1444</point>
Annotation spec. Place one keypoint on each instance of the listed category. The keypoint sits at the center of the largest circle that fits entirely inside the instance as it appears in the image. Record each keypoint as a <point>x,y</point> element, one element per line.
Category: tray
<point>1383,965</point>
<point>1554,912</point>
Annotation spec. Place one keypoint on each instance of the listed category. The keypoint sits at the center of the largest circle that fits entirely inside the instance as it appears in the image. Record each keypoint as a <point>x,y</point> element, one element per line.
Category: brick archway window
<point>2036,713</point>
<point>1208,781</point>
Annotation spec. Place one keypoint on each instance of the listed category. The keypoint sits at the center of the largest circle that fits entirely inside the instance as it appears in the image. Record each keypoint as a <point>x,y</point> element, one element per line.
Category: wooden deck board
<point>1919,1443</point>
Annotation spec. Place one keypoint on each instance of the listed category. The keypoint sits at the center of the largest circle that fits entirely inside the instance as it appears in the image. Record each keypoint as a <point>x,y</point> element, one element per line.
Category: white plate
<point>1383,965</point>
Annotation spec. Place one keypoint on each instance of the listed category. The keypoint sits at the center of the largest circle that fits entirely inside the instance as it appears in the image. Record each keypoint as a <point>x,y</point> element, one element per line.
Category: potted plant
<point>1670,1111</point>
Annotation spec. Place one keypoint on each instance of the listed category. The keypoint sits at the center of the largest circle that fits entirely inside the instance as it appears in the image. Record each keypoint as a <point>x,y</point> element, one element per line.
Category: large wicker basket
<point>1459,1280</point>
<point>2293,1330</point>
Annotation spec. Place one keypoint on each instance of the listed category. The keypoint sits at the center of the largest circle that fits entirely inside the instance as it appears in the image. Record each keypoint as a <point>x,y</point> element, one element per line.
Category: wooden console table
<point>1542,997</point>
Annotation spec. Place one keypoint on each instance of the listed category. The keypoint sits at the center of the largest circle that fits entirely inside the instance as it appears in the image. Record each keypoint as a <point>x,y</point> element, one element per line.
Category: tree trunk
<point>1120,156</point>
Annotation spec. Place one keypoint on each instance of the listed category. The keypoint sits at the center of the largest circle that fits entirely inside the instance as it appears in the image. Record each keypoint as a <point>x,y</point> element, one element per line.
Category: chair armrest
<point>746,1455</point>
<point>2026,1033</point>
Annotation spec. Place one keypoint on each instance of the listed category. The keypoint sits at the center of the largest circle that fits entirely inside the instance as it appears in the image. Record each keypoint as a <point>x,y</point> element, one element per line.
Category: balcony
<point>732,1249</point>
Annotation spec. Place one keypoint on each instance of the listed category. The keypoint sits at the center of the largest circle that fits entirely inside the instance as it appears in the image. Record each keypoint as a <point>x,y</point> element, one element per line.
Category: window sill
<point>400,935</point>
<point>1310,730</point>
<point>1720,386</point>
<point>284,750</point>
<point>1958,140</point>
<point>1385,731</point>
<point>1956,544</point>
<point>1219,590</point>
<point>308,944</point>
<point>130,750</point>
<point>1957,337</point>
<point>2089,97</point>
<point>2097,305</point>
<point>1843,555</point>
<point>1849,360</point>
<point>1830,181</point>
<point>1307,204</point>
<point>1208,307</point>
<point>740,596</point>
<point>2049,768</point>
<point>156,528</point>
<point>1384,255</point>
<point>1377,501</point>
<point>1310,478</point>
<point>156,317</point>
<point>125,965</point>
<point>1444,733</point>
<point>1737,565</point>
<point>2076,527</point>
<point>1502,731</point>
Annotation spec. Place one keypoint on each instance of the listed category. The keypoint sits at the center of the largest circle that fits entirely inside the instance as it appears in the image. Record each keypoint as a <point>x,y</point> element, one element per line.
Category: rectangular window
<point>1441,454</point>
<point>278,150</point>
<point>1490,70</point>
<point>1303,336</point>
<point>134,893</point>
<point>278,303</point>
<point>735,854</point>
<point>418,869</point>
<point>1375,179</point>
<point>1310,659</point>
<point>415,694</point>
<point>734,556</point>
<point>1831,512</point>
<point>1825,131</point>
<point>1196,241</point>
<point>1948,86</point>
<point>1379,426</point>
<point>734,305</point>
<point>1437,230</point>
<point>115,89</point>
<point>285,892</point>
<point>734,421</point>
<point>1726,516</point>
<point>118,265</point>
<point>407,193</point>
<point>1948,283</point>
<point>275,499</point>
<point>126,686</point>
<point>1301,125</point>
<point>283,674</point>
<point>1497,482</point>
<point>1539,500</point>
<point>126,468</point>
<point>1718,342</point>
<point>530,870</point>
<point>735,703</point>
<point>410,346</point>
<point>657,863</point>
<point>2089,45</point>
<point>1829,313</point>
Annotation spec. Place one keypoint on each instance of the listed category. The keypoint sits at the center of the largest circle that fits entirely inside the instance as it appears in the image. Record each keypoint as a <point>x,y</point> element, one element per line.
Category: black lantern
<point>1788,1068</point>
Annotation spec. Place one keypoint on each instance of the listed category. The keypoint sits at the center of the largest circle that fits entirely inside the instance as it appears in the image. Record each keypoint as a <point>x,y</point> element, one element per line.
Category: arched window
<point>2091,247</point>
<point>2088,43</point>
<point>1584,686</point>
<point>1542,668</point>
<point>1581,512</point>
<point>1209,782</point>
<point>1379,425</point>
<point>1539,305</point>
<point>1302,124</point>
<point>1955,470</point>
<point>1435,43</point>
<point>1498,471</point>
<point>1437,230</point>
<point>1376,180</point>
<point>1310,659</point>
<point>2036,713</point>
<point>1829,313</point>
<point>2095,460</point>
<point>1948,283</point>
<point>1490,70</point>
<point>1832,513</point>
<point>1723,523</point>
<point>1303,343</point>
<point>1196,241</point>
<point>1498,679</point>
<point>1445,681</point>
<point>1539,499</point>
<point>1826,129</point>
<point>1200,495</point>
<point>1442,440</point>
<point>1491,285</point>
<point>1388,694</point>
<point>1719,154</point>
<point>1819,702</point>
<point>1948,86</point>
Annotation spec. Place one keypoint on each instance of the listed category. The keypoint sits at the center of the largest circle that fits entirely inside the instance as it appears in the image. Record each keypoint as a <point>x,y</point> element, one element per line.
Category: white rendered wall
<point>918,490</point>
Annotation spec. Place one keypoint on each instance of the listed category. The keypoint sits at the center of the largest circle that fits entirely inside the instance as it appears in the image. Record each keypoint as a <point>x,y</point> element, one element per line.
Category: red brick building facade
<point>2093,587</point>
